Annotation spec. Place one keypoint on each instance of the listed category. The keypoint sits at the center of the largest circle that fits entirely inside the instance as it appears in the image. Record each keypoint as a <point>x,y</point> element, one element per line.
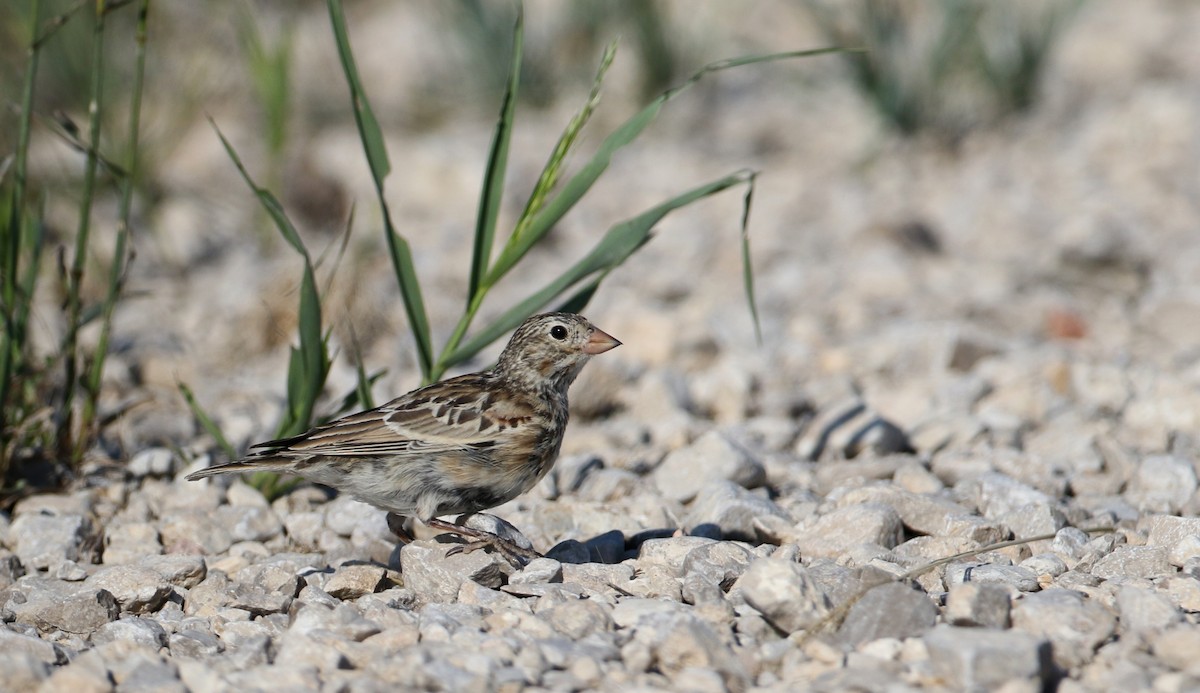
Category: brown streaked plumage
<point>458,446</point>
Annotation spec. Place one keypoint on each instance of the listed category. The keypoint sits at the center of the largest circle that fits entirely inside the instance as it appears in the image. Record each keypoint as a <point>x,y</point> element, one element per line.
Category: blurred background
<point>1023,170</point>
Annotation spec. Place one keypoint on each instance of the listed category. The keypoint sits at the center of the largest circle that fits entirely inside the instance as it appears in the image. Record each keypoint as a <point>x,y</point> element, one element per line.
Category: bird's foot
<point>480,539</point>
<point>395,523</point>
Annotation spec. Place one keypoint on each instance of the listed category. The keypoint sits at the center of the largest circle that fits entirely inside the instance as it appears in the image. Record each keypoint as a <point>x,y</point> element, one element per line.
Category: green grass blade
<point>12,340</point>
<point>121,257</point>
<point>626,133</point>
<point>614,248</point>
<point>410,291</point>
<point>376,151</point>
<point>74,303</point>
<point>368,126</point>
<point>206,422</point>
<point>747,266</point>
<point>363,386</point>
<point>497,164</point>
<point>312,348</point>
<point>268,201</point>
<point>566,142</point>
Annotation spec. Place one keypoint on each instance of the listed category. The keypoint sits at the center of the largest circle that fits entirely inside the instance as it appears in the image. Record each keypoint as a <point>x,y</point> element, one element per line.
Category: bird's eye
<point>558,332</point>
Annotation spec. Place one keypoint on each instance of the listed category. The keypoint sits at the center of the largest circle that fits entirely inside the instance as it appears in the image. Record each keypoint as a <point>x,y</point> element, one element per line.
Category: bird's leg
<point>479,539</point>
<point>396,524</point>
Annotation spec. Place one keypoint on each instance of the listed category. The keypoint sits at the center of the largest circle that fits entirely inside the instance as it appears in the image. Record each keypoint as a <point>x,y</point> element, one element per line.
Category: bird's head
<point>550,349</point>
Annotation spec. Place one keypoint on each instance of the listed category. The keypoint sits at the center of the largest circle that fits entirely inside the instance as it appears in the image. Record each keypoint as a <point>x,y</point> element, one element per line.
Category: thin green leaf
<point>376,151</point>
<point>747,267</point>
<point>312,345</point>
<point>615,247</point>
<point>265,198</point>
<point>582,296</point>
<point>566,142</point>
<point>368,126</point>
<point>582,181</point>
<point>363,388</point>
<point>290,425</point>
<point>206,422</point>
<point>410,291</point>
<point>497,164</point>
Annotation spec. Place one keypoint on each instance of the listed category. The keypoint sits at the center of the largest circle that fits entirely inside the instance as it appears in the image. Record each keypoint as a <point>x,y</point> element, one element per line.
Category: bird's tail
<point>249,464</point>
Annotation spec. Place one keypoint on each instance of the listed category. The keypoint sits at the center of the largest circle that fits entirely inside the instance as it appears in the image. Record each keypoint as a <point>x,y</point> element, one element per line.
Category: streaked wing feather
<point>460,412</point>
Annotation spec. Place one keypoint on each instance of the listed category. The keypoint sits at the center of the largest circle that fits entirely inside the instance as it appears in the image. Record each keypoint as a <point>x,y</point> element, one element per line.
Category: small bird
<point>458,446</point>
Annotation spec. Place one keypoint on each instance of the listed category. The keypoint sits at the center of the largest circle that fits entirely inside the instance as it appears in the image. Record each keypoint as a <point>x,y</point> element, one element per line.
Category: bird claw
<point>518,556</point>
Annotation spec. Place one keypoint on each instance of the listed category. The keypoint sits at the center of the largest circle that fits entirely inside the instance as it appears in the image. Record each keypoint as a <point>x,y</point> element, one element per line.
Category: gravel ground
<point>1041,357</point>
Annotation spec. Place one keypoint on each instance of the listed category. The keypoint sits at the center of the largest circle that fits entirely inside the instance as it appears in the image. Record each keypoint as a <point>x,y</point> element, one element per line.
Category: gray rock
<point>80,503</point>
<point>538,571</point>
<point>1011,576</point>
<point>143,631</point>
<point>915,477</point>
<point>1168,530</point>
<point>304,529</point>
<point>1144,610</point>
<point>248,522</point>
<point>43,541</point>
<point>784,593</point>
<point>258,601</point>
<point>344,515</point>
<point>653,581</point>
<point>577,619</point>
<point>721,563</point>
<point>151,462</point>
<point>670,552</point>
<point>892,610</point>
<point>353,581</point>
<point>1185,550</point>
<point>670,642</point>
<point>85,672</point>
<point>1045,564</point>
<point>10,566</point>
<point>1134,561</point>
<point>928,515</point>
<point>436,577</point>
<point>51,605</point>
<point>712,457</point>
<point>137,590</point>
<point>1034,520</point>
<point>973,659</point>
<point>1184,592</point>
<point>179,570</point>
<point>22,671</point>
<point>70,571</point>
<point>343,621</point>
<point>146,672</point>
<point>996,495</point>
<point>12,643</point>
<point>1162,483</point>
<point>194,532</point>
<point>1069,543</point>
<point>215,592</point>
<point>731,508</point>
<point>1074,625</point>
<point>978,604</point>
<point>193,644</point>
<point>128,542</point>
<point>438,622</point>
<point>834,533</point>
<point>1176,647</point>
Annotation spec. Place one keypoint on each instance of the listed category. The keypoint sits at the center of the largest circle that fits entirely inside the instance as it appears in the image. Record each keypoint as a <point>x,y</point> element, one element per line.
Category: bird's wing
<point>463,412</point>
